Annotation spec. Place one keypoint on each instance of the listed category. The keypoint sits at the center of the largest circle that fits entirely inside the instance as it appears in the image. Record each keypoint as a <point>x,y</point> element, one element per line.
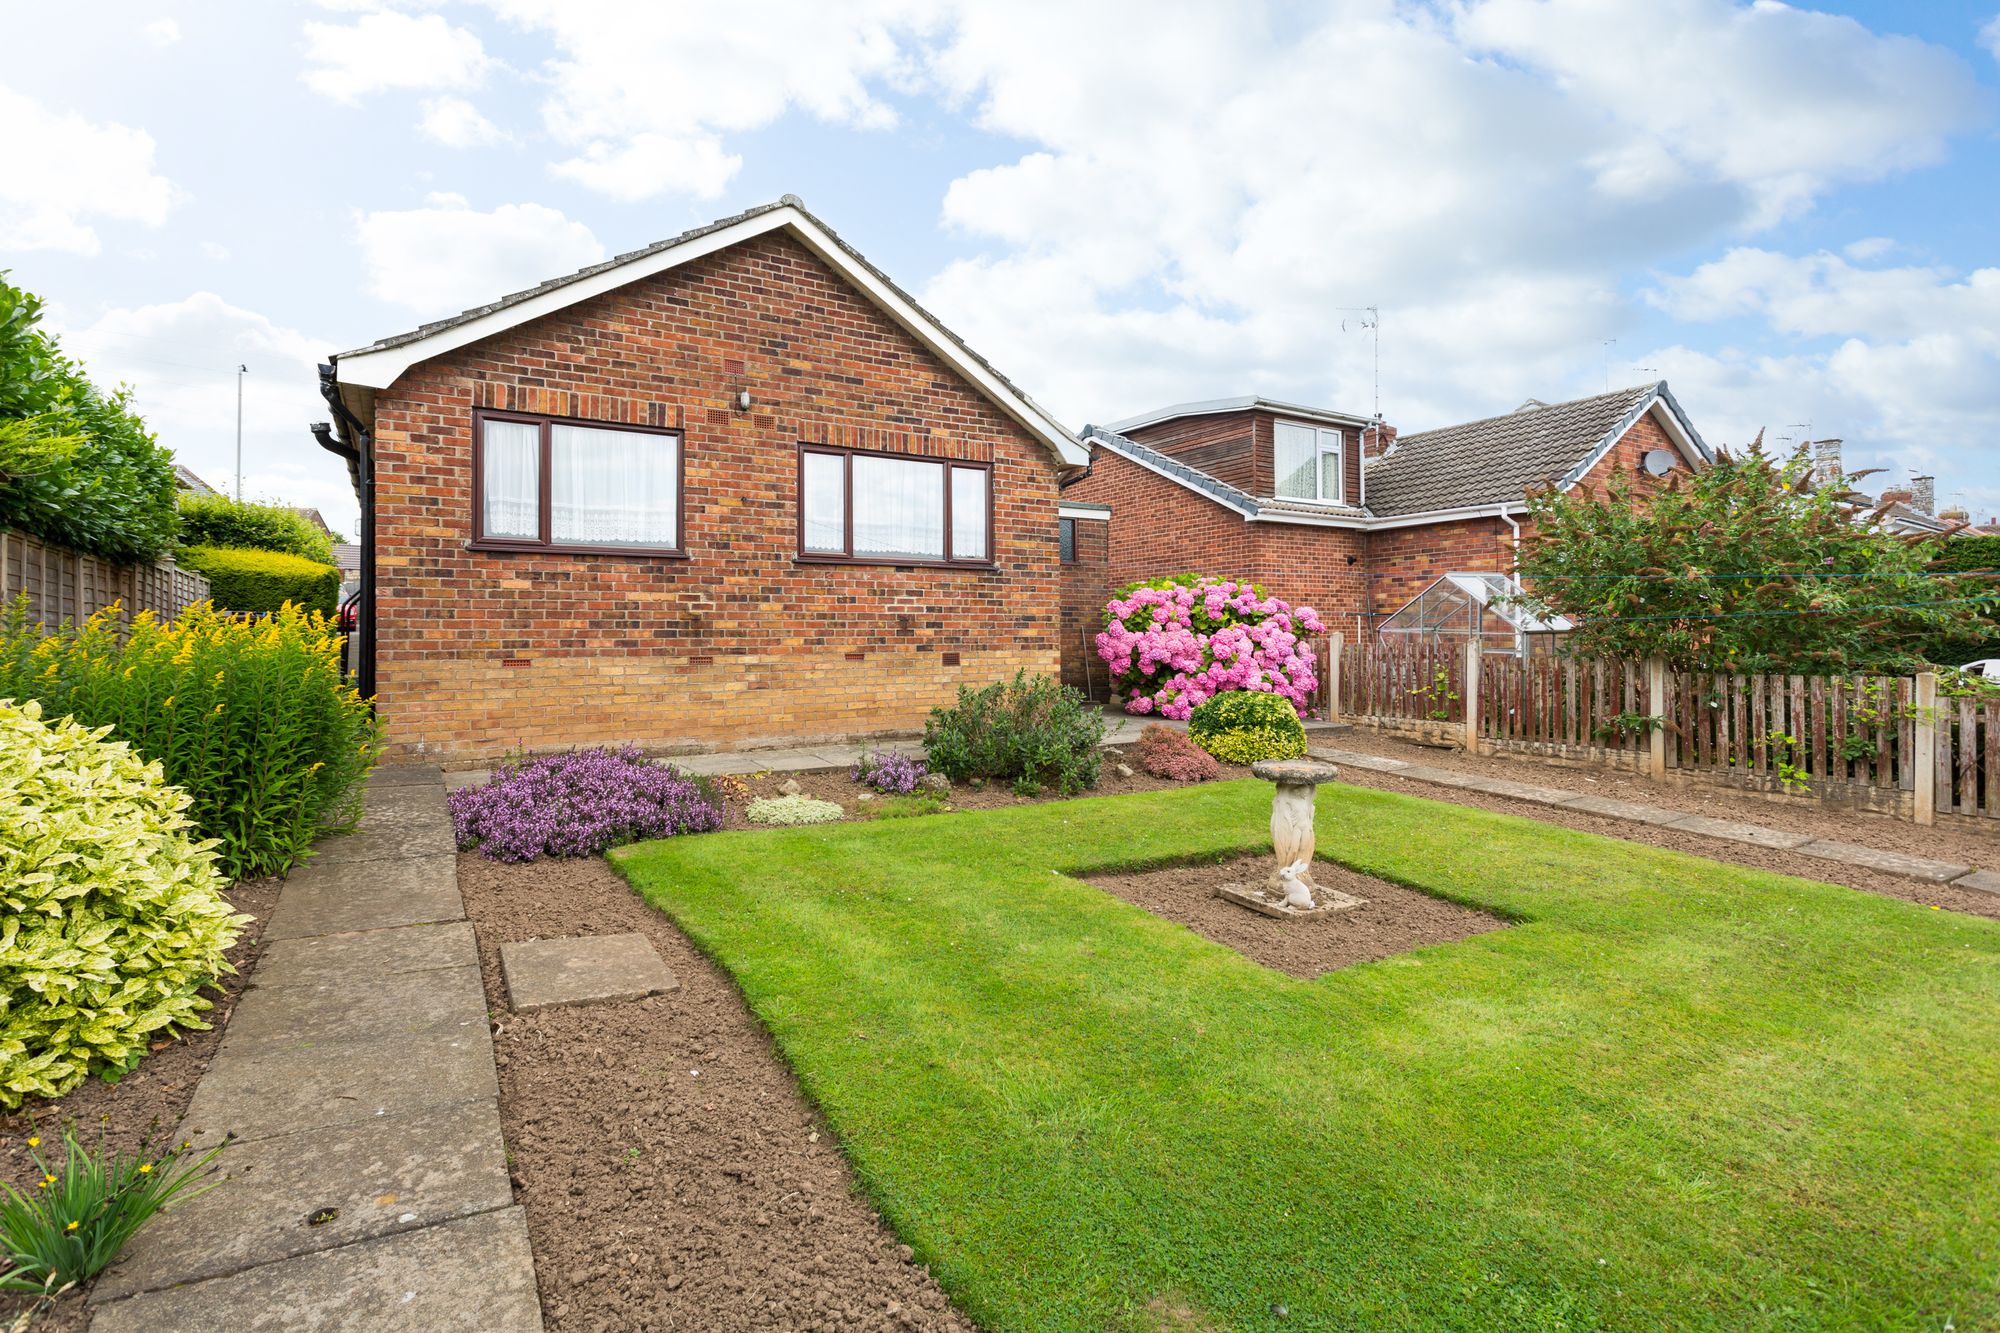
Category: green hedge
<point>1965,554</point>
<point>263,581</point>
<point>1243,726</point>
<point>218,520</point>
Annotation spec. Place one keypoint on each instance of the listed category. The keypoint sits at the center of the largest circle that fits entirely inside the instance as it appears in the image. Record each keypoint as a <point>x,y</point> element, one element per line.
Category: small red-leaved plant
<point>1166,753</point>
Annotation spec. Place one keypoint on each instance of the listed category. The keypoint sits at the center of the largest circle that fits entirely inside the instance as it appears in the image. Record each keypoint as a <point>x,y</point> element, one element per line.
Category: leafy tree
<point>1745,566</point>
<point>77,466</point>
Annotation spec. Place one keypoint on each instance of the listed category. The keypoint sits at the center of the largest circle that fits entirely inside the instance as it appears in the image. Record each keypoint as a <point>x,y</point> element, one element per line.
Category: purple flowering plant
<point>889,772</point>
<point>577,804</point>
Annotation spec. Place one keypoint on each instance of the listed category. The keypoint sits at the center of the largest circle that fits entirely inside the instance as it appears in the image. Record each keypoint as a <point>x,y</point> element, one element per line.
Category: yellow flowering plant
<point>250,716</point>
<point>73,1227</point>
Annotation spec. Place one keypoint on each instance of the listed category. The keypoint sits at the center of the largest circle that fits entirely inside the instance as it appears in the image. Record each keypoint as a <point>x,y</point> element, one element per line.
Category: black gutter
<point>355,444</point>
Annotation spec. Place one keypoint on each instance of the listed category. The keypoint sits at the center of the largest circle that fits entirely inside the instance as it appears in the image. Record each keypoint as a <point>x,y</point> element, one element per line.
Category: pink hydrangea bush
<point>1175,644</point>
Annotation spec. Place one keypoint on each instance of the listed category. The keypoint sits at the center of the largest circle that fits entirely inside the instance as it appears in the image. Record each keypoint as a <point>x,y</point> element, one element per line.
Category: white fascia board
<point>1669,421</point>
<point>1449,515</point>
<point>378,370</point>
<point>1217,406</point>
<point>1083,512</point>
<point>1313,520</point>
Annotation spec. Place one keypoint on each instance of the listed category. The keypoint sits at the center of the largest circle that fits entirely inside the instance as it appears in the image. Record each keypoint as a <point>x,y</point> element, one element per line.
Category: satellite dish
<point>1657,462</point>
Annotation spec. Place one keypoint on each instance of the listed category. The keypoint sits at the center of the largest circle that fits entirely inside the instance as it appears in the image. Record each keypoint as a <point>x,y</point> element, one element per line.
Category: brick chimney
<point>1923,493</point>
<point>1954,516</point>
<point>1895,495</point>
<point>1826,465</point>
<point>1377,440</point>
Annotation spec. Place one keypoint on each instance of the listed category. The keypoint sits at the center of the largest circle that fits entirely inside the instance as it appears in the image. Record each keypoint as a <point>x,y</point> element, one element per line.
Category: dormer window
<point>1307,462</point>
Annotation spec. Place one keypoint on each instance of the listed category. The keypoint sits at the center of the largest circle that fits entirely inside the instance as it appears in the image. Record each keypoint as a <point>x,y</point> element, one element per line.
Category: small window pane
<point>968,513</point>
<point>613,487</point>
<point>509,468</point>
<point>825,503</point>
<point>1329,465</point>
<point>1294,450</point>
<point>1066,540</point>
<point>898,508</point>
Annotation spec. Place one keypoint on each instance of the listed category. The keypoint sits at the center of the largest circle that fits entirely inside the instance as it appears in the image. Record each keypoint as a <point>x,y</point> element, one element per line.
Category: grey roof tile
<point>1493,461</point>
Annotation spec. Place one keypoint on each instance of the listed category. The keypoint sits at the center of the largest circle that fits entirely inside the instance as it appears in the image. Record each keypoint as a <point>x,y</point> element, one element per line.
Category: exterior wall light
<point>743,400</point>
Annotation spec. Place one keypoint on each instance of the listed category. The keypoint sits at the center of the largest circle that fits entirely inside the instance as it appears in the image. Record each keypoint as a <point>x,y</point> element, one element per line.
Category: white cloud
<point>162,32</point>
<point>457,123</point>
<point>1902,363</point>
<point>59,172</point>
<point>642,95</point>
<point>180,359</point>
<point>214,250</point>
<point>388,50</point>
<point>1989,36</point>
<point>446,256</point>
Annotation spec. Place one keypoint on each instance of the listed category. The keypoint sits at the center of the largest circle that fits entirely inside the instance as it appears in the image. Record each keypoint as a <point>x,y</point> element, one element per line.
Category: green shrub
<point>1243,726</point>
<point>77,466</point>
<point>218,520</point>
<point>76,1219</point>
<point>113,916</point>
<point>253,719</point>
<point>1033,732</point>
<point>263,581</point>
<point>790,810</point>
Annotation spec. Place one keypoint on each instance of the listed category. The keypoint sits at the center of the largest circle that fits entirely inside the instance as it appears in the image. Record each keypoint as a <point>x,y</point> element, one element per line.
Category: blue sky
<point>1787,212</point>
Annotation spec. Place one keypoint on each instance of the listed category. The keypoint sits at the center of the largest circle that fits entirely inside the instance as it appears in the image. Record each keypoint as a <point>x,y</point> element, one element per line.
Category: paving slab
<point>264,1091</point>
<point>399,831</point>
<point>397,775</point>
<point>473,1275</point>
<point>466,777</point>
<point>331,897</point>
<point>544,973</point>
<point>364,955</point>
<point>1616,809</point>
<point>1893,863</point>
<point>404,804</point>
<point>380,1008</point>
<point>1731,830</point>
<point>756,761</point>
<point>299,1193</point>
<point>1520,791</point>
<point>1372,762</point>
<point>1987,881</point>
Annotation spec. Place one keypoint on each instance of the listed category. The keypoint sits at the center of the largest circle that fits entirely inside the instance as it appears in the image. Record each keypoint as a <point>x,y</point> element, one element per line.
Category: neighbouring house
<point>733,488</point>
<point>314,517</point>
<point>185,480</point>
<point>1334,510</point>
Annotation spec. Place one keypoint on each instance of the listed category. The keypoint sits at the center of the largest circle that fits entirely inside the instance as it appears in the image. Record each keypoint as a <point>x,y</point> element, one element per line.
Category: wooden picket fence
<point>65,585</point>
<point>1882,743</point>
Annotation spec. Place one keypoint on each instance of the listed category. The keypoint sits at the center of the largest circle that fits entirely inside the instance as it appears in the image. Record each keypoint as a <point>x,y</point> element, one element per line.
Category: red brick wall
<point>1408,560</point>
<point>739,643</point>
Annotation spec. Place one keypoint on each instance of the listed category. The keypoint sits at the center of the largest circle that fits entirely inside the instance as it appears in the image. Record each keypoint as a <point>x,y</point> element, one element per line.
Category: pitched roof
<point>185,479</point>
<point>1492,461</point>
<point>377,365</point>
<point>1201,483</point>
<point>1215,406</point>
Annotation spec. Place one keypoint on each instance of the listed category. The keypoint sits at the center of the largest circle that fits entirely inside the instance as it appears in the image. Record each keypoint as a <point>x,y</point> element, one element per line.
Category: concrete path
<point>366,1187</point>
<point>1826,849</point>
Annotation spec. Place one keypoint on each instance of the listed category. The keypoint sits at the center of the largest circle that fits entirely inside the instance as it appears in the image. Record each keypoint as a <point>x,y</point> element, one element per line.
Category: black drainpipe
<point>358,448</point>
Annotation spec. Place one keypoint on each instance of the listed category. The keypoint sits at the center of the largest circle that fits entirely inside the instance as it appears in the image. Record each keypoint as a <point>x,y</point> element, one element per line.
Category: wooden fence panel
<point>65,585</point>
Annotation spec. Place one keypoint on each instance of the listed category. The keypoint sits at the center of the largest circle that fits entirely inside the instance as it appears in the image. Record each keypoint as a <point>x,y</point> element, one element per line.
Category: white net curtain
<point>613,487</point>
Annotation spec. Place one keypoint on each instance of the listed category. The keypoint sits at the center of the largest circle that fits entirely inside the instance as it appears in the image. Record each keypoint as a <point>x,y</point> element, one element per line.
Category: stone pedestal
<point>1289,891</point>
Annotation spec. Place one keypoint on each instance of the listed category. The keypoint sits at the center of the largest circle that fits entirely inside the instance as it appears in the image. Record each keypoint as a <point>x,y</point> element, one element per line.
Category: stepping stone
<point>1987,881</point>
<point>400,831</point>
<point>467,777</point>
<point>384,1009</point>
<point>259,1091</point>
<point>332,897</point>
<point>1893,863</point>
<point>1519,791</point>
<point>1731,831</point>
<point>1357,759</point>
<point>389,1175</point>
<point>474,1275</point>
<point>544,973</point>
<point>1616,809</point>
<point>365,955</point>
<point>404,805</point>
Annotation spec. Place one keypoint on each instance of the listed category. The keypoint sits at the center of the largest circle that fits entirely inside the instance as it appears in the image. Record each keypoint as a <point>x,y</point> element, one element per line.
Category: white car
<point>1987,667</point>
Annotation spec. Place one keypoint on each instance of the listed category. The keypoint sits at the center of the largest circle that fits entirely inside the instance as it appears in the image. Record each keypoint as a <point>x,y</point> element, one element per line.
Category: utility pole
<point>241,371</point>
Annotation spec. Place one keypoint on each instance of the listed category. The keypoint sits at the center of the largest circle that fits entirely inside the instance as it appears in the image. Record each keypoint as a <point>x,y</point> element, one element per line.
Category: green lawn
<point>1674,1094</point>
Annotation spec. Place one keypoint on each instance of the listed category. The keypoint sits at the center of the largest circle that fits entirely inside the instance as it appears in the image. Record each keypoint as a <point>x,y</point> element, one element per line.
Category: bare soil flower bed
<point>144,1105</point>
<point>674,1176</point>
<point>1392,920</point>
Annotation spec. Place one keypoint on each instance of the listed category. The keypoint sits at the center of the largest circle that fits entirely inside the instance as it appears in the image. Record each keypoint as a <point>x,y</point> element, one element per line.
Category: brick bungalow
<point>734,488</point>
<point>1335,510</point>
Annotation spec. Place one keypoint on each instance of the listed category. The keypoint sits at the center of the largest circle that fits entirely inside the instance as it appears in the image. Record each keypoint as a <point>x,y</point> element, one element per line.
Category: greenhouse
<point>1461,607</point>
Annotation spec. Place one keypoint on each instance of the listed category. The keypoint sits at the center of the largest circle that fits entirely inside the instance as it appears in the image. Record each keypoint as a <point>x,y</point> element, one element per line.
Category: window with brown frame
<point>543,483</point>
<point>893,509</point>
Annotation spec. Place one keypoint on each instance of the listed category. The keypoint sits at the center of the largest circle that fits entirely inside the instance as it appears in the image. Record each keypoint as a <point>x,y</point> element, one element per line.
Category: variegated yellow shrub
<point>112,917</point>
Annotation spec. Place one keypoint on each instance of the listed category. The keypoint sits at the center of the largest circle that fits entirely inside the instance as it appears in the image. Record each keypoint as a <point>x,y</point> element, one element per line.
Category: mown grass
<point>1676,1094</point>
